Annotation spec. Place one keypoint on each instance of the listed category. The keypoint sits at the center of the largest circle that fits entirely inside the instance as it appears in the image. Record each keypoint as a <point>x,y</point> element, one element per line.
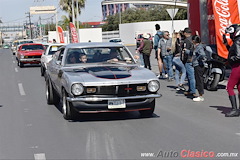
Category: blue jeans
<point>179,68</point>
<point>191,78</point>
<point>167,60</point>
<point>141,59</point>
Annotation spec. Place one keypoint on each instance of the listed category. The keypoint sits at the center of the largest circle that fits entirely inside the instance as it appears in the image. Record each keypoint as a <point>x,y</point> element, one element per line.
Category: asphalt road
<point>31,129</point>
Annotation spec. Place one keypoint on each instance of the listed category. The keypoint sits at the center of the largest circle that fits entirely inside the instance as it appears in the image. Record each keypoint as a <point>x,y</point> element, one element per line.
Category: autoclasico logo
<point>197,154</point>
<point>189,154</point>
<point>186,154</point>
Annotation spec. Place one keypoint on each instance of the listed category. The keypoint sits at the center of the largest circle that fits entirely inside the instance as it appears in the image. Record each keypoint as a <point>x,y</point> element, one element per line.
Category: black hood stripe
<point>109,72</point>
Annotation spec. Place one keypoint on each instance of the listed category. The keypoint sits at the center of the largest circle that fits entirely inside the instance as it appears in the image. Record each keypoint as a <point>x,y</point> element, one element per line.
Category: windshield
<point>23,42</point>
<point>53,50</point>
<point>98,55</point>
<point>32,47</point>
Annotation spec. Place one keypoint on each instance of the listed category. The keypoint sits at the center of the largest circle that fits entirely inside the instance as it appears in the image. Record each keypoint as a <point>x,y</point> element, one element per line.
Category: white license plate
<point>114,104</point>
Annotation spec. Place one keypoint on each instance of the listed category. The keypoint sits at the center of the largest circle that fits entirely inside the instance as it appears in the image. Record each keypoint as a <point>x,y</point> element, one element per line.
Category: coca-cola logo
<point>74,35</point>
<point>61,37</point>
<point>222,10</point>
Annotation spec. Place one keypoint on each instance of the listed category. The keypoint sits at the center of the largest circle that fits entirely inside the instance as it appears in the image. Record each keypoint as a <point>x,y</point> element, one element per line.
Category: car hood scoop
<point>110,72</point>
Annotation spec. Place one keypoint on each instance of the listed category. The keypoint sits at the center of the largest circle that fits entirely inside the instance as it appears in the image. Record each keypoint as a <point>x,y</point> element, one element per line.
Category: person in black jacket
<point>234,61</point>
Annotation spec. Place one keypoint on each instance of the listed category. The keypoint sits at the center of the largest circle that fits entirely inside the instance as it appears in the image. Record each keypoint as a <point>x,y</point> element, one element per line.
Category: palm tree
<point>66,5</point>
<point>64,23</point>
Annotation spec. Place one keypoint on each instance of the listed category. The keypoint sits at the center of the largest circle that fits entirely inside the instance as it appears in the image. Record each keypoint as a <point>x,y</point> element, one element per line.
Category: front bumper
<point>30,60</point>
<point>100,104</point>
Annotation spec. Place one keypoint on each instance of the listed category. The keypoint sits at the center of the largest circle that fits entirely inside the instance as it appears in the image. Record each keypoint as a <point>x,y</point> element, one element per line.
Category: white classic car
<point>47,56</point>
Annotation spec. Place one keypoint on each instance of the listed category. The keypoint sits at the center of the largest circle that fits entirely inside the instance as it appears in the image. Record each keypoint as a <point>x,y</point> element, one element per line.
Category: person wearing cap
<point>187,54</point>
<point>145,49</point>
<point>165,51</point>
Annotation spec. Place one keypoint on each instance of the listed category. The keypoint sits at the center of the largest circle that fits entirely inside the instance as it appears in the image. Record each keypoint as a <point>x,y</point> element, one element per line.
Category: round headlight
<point>153,86</point>
<point>77,89</point>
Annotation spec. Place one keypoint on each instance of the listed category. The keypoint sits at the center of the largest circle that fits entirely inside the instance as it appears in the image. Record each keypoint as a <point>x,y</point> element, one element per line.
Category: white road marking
<point>40,156</point>
<point>26,109</point>
<point>109,145</point>
<point>91,145</point>
<point>16,70</point>
<point>34,147</point>
<point>21,89</point>
<point>14,62</point>
<point>238,134</point>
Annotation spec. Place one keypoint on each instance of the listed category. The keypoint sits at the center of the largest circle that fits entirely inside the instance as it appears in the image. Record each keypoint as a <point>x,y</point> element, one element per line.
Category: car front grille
<point>32,57</point>
<point>119,90</point>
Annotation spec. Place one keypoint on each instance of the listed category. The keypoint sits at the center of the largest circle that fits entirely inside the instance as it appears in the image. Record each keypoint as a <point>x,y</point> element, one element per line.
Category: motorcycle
<point>214,68</point>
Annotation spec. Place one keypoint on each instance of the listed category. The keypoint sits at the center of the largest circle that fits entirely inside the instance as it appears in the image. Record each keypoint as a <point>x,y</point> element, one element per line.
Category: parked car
<point>116,40</point>
<point>16,44</point>
<point>5,46</point>
<point>139,39</point>
<point>29,53</point>
<point>47,55</point>
<point>99,77</point>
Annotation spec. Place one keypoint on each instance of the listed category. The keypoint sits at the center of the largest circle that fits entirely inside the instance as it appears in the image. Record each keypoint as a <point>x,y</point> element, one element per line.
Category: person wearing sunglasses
<point>165,54</point>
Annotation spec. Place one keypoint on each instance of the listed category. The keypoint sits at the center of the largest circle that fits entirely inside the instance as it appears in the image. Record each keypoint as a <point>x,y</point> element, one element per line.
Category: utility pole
<point>40,28</point>
<point>29,16</point>
<point>73,14</point>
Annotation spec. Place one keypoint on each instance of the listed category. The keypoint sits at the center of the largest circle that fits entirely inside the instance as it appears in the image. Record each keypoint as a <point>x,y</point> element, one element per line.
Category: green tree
<point>156,13</point>
<point>64,23</point>
<point>66,5</point>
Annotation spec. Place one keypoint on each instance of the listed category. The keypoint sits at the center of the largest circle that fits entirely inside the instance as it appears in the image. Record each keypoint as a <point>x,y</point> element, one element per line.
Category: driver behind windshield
<point>113,55</point>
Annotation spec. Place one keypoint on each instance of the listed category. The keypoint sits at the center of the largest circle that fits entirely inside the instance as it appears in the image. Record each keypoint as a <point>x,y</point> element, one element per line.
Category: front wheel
<point>67,109</point>
<point>148,113</point>
<point>213,81</point>
<point>20,64</point>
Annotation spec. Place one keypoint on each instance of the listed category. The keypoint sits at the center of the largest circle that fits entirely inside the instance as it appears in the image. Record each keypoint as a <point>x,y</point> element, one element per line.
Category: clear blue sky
<point>13,11</point>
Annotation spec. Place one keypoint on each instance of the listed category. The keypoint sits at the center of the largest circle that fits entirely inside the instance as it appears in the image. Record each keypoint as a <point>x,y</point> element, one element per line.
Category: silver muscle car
<point>99,77</point>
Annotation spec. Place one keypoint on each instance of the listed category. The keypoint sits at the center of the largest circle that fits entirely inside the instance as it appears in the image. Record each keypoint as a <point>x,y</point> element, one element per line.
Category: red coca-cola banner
<point>226,12</point>
<point>73,33</point>
<point>60,34</point>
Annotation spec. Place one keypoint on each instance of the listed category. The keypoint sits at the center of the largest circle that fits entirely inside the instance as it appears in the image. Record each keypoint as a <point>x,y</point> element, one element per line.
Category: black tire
<point>212,84</point>
<point>148,113</point>
<point>42,71</point>
<point>67,110</point>
<point>52,97</point>
<point>20,64</point>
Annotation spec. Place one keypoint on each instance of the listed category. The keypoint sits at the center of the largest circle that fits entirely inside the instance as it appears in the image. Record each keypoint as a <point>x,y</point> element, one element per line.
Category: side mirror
<point>58,62</point>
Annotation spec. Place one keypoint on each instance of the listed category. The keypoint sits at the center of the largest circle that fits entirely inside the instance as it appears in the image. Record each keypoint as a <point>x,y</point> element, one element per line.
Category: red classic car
<point>29,53</point>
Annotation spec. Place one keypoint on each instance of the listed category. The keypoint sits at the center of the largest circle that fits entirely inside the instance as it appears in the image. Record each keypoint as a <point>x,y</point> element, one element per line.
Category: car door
<point>56,70</point>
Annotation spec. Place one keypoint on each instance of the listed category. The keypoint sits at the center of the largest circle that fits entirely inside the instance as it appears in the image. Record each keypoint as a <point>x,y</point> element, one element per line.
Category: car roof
<point>93,45</point>
<point>27,44</point>
<point>56,44</point>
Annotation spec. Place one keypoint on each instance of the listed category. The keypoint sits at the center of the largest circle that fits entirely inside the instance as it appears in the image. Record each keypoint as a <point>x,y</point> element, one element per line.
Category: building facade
<point>113,8</point>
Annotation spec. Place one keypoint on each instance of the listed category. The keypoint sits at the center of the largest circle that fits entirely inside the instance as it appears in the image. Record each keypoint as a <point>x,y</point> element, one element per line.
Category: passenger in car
<point>83,58</point>
<point>73,58</point>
